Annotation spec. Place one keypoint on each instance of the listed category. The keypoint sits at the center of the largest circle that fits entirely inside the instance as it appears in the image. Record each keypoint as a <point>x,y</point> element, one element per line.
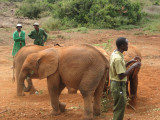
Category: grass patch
<point>81,30</point>
<point>107,46</point>
<point>128,27</point>
<point>139,33</point>
<point>152,26</point>
<point>152,22</point>
<point>51,24</point>
<point>106,102</point>
<point>156,109</point>
<point>52,37</point>
<point>62,37</point>
<point>75,107</point>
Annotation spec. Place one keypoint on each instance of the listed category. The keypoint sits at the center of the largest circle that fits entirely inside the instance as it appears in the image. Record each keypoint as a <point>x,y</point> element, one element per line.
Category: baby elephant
<point>80,67</point>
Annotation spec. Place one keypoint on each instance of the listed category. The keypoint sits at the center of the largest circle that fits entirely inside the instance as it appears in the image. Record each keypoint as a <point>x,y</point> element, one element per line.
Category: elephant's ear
<point>47,63</point>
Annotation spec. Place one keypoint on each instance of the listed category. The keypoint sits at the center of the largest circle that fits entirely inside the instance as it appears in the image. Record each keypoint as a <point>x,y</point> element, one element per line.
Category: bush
<point>16,0</point>
<point>98,13</point>
<point>52,1</point>
<point>157,2</point>
<point>152,19</point>
<point>33,8</point>
<point>51,24</point>
<point>106,102</point>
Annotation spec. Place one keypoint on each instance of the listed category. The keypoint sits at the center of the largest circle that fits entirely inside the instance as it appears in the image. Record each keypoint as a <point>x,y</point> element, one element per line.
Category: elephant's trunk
<point>28,79</point>
<point>20,83</point>
<point>28,88</point>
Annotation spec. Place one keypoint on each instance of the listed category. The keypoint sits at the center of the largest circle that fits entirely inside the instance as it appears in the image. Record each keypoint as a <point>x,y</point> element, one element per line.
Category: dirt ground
<point>37,106</point>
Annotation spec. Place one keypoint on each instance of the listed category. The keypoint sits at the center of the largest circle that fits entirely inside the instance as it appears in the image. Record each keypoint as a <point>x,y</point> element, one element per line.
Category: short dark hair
<point>120,41</point>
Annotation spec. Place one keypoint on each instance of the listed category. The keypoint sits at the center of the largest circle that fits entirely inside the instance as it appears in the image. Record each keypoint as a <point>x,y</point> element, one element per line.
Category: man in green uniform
<point>19,39</point>
<point>39,35</point>
<point>118,76</point>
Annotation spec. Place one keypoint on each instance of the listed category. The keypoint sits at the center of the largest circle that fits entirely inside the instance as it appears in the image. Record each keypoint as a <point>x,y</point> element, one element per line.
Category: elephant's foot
<point>87,118</point>
<point>33,90</point>
<point>133,96</point>
<point>20,94</point>
<point>133,101</point>
<point>55,113</point>
<point>62,107</point>
<point>97,112</point>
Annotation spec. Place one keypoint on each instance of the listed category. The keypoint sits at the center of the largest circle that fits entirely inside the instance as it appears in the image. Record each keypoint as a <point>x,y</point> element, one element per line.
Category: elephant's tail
<point>105,78</point>
<point>13,78</point>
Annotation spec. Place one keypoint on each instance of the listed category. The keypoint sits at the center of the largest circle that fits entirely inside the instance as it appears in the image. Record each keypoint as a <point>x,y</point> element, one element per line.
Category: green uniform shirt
<point>117,66</point>
<point>19,41</point>
<point>39,36</point>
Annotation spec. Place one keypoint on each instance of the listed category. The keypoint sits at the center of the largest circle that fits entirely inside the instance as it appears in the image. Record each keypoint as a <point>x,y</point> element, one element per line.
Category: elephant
<point>132,78</point>
<point>80,67</point>
<point>19,60</point>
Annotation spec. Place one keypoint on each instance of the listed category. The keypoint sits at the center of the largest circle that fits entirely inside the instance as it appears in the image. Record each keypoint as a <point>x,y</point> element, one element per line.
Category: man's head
<point>122,44</point>
<point>19,26</point>
<point>36,26</point>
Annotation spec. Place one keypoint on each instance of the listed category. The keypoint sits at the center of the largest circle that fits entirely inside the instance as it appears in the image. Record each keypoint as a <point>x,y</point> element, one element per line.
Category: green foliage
<point>152,26</point>
<point>52,24</point>
<point>4,0</point>
<point>106,102</point>
<point>98,13</point>
<point>52,37</point>
<point>11,0</point>
<point>107,46</point>
<point>15,0</point>
<point>33,8</point>
<point>152,19</point>
<point>52,1</point>
<point>57,24</point>
<point>157,2</point>
<point>80,29</point>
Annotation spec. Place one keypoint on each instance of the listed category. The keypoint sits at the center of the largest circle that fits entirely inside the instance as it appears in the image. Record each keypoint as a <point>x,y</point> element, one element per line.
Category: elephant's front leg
<point>55,88</point>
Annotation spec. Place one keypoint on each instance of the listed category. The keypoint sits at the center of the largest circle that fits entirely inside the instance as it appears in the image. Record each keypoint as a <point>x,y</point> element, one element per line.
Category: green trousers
<point>119,96</point>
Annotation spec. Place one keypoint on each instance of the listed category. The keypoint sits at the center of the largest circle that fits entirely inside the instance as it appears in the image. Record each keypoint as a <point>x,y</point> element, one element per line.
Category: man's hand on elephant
<point>137,64</point>
<point>137,59</point>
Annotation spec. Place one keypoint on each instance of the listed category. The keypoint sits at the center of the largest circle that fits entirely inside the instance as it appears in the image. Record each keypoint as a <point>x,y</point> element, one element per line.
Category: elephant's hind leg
<point>127,92</point>
<point>97,98</point>
<point>61,105</point>
<point>88,104</point>
<point>133,87</point>
<point>87,90</point>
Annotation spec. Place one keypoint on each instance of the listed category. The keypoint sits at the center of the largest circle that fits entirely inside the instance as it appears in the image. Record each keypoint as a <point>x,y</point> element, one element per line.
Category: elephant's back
<point>76,60</point>
<point>132,52</point>
<point>84,52</point>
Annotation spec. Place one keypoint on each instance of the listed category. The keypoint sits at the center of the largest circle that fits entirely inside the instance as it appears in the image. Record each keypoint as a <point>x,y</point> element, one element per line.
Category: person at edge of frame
<point>39,35</point>
<point>118,77</point>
